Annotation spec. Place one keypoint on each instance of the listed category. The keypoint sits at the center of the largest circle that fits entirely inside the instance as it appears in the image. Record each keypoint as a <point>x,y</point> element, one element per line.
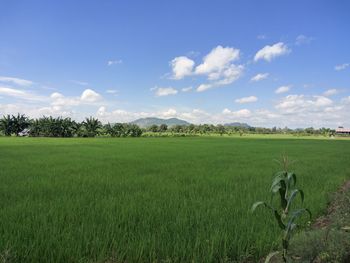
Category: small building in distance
<point>342,131</point>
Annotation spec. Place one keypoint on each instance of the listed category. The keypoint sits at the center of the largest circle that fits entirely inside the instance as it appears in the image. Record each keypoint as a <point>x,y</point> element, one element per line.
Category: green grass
<point>152,199</point>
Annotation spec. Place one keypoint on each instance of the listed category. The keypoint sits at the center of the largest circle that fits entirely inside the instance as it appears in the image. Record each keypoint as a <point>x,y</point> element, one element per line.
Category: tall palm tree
<point>6,125</point>
<point>19,123</point>
<point>92,126</point>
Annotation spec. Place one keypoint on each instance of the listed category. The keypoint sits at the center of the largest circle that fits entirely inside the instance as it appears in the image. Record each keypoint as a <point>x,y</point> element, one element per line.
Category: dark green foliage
<point>13,124</point>
<point>163,128</point>
<point>6,125</point>
<point>19,123</point>
<point>52,127</point>
<point>91,127</point>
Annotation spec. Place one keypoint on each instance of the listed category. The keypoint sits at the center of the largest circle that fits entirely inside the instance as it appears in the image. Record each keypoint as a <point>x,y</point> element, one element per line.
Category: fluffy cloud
<point>20,94</point>
<point>330,92</point>
<point>300,103</point>
<point>346,100</point>
<point>270,52</point>
<point>227,76</point>
<point>181,67</point>
<point>160,92</point>
<point>217,60</point>
<point>114,62</point>
<point>217,66</point>
<point>259,76</point>
<point>16,81</point>
<point>89,95</point>
<point>341,66</point>
<point>301,40</point>
<point>246,100</point>
<point>282,89</point>
<point>244,113</point>
<point>111,91</point>
<point>204,87</point>
<point>188,89</point>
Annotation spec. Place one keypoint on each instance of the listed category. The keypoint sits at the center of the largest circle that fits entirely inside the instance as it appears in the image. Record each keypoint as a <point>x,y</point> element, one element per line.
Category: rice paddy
<point>152,199</point>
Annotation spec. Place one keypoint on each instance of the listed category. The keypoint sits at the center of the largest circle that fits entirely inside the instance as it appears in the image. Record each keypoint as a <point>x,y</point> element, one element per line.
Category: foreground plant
<point>283,185</point>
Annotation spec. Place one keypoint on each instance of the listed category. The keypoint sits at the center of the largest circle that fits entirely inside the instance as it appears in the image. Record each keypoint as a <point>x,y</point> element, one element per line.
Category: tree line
<point>241,130</point>
<point>64,127</point>
<point>20,125</point>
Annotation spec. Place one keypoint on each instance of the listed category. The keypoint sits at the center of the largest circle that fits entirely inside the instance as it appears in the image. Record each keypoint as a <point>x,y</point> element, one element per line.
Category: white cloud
<point>58,100</point>
<point>246,100</point>
<point>188,89</point>
<point>20,94</point>
<point>330,92</point>
<point>341,66</point>
<point>259,76</point>
<point>12,92</point>
<point>111,91</point>
<point>56,95</point>
<point>228,76</point>
<point>346,100</point>
<point>169,113</point>
<point>16,81</point>
<point>302,39</point>
<point>292,104</point>
<point>217,66</point>
<point>181,67</point>
<point>159,92</point>
<point>244,113</point>
<point>89,95</point>
<point>282,89</point>
<point>203,87</point>
<point>114,62</point>
<point>217,60</point>
<point>270,52</point>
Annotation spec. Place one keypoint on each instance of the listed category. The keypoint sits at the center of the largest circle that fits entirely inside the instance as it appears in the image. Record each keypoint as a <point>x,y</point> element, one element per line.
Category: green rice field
<point>152,199</point>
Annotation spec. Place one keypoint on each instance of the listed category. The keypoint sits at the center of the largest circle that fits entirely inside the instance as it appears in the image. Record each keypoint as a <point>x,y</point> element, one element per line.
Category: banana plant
<point>283,185</point>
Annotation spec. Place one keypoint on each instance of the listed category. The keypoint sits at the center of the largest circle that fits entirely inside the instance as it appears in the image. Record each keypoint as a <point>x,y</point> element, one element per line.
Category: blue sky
<point>267,63</point>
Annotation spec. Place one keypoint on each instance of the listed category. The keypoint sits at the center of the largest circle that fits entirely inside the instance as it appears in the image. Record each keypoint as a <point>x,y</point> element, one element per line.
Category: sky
<point>265,63</point>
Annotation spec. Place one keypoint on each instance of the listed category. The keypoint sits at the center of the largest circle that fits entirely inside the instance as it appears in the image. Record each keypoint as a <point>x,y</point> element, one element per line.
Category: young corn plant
<point>283,185</point>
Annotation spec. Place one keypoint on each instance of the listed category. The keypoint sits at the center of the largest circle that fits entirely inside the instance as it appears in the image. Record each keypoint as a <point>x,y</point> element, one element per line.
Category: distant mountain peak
<point>237,124</point>
<point>149,121</point>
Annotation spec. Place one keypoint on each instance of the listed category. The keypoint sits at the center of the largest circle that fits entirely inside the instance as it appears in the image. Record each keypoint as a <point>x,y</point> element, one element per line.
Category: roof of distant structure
<point>342,130</point>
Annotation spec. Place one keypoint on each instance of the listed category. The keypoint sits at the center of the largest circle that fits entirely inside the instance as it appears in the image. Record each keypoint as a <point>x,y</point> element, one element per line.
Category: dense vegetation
<point>64,127</point>
<point>152,200</point>
<point>91,127</point>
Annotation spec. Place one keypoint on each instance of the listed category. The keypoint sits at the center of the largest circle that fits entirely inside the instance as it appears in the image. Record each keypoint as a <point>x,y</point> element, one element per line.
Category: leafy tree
<point>134,130</point>
<point>6,125</point>
<point>163,128</point>
<point>19,123</point>
<point>220,129</point>
<point>153,128</point>
<point>92,126</point>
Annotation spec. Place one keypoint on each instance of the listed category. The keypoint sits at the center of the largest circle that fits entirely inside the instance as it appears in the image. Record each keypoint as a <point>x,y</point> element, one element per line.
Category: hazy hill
<point>147,122</point>
<point>237,124</point>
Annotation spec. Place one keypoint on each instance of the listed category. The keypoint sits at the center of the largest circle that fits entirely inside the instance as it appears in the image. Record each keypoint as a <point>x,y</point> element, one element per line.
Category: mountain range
<point>147,122</point>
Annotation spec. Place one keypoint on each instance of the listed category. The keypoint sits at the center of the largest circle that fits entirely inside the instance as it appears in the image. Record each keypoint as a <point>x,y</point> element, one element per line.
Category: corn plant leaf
<point>296,214</point>
<point>292,177</point>
<point>279,220</point>
<point>293,195</point>
<point>283,193</point>
<point>270,256</point>
<point>256,204</point>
